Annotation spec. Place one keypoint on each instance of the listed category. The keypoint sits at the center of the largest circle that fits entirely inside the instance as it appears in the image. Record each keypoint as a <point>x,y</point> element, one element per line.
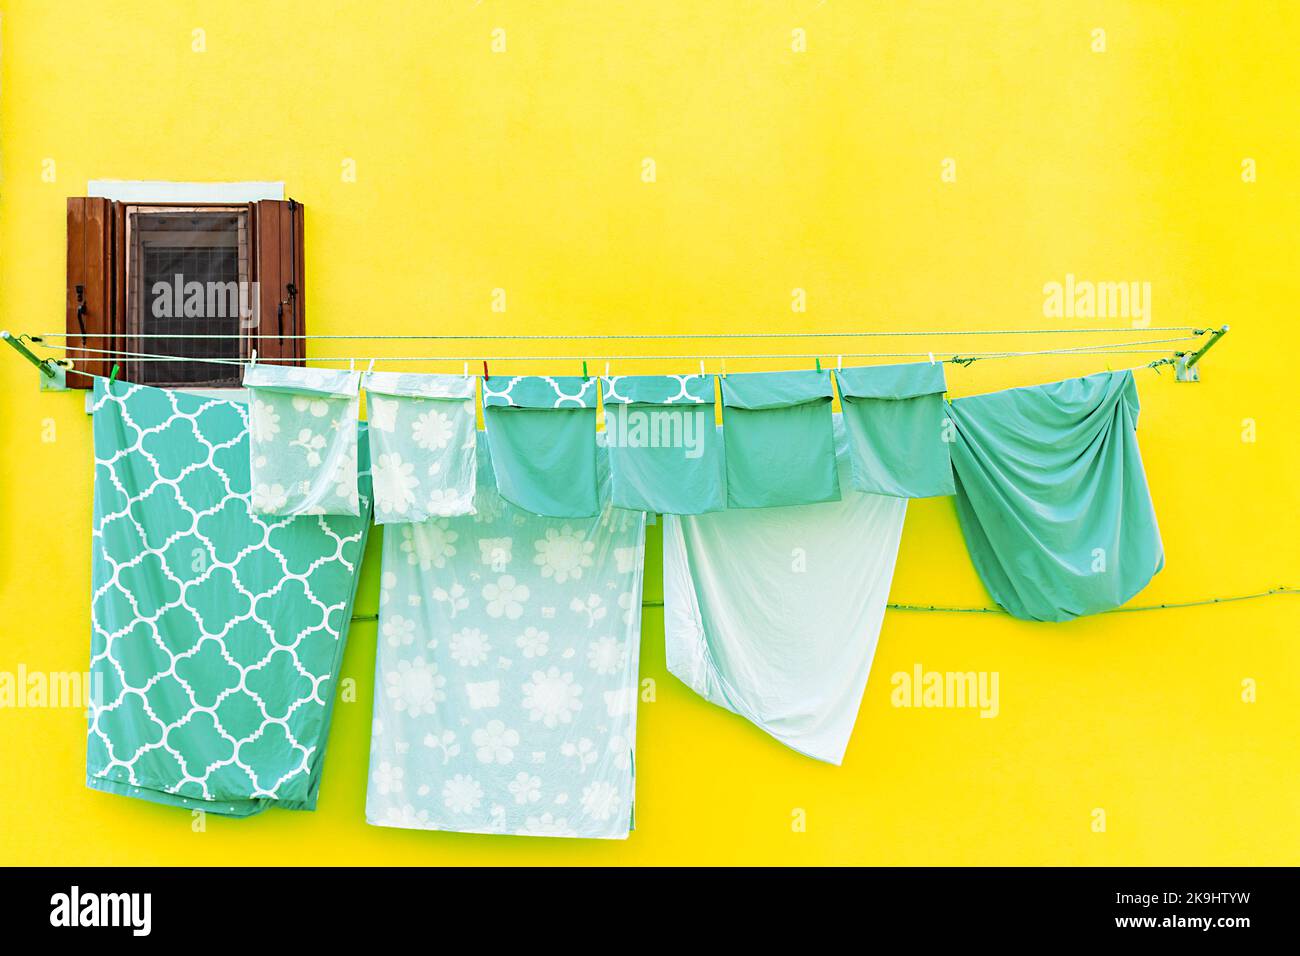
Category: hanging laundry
<point>542,432</point>
<point>304,439</point>
<point>665,451</point>
<point>506,677</point>
<point>777,432</point>
<point>1052,497</point>
<point>216,634</point>
<point>774,613</point>
<point>423,441</point>
<point>899,432</point>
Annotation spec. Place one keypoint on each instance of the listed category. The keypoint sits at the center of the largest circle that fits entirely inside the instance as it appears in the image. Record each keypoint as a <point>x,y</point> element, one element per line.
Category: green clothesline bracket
<point>53,375</point>
<point>1185,369</point>
<point>45,365</point>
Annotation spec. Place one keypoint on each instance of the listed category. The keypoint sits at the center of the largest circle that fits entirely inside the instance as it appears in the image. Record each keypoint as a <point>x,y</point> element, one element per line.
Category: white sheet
<point>774,613</point>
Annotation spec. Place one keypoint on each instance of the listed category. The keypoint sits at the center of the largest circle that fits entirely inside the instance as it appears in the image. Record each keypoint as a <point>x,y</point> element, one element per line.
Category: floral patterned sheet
<point>422,443</point>
<point>303,448</point>
<point>506,678</point>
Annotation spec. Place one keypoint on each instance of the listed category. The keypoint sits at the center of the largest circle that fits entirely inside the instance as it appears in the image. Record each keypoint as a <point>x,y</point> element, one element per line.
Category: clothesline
<point>941,609</point>
<point>1116,348</point>
<point>1195,330</point>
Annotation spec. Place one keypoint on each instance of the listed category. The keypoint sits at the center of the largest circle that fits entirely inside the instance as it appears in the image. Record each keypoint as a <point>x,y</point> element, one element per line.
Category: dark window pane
<point>188,276</point>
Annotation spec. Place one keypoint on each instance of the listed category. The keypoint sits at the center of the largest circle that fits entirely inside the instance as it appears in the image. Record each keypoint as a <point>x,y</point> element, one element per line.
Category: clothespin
<point>819,363</point>
<point>352,365</point>
<point>701,367</point>
<point>724,367</point>
<point>607,370</point>
<point>839,363</point>
<point>371,368</point>
<point>112,376</point>
<point>465,370</point>
<point>584,371</point>
<point>931,358</point>
<point>485,371</point>
<point>252,359</point>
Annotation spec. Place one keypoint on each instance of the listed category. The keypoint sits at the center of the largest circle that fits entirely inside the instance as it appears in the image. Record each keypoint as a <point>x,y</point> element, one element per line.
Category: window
<point>186,281</point>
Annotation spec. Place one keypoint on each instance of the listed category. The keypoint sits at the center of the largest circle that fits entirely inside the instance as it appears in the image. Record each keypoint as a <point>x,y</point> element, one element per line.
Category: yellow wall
<point>776,170</point>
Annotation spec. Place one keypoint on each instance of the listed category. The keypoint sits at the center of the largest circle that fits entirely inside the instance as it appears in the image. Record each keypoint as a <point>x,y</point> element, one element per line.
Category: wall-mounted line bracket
<point>53,375</point>
<point>1185,369</point>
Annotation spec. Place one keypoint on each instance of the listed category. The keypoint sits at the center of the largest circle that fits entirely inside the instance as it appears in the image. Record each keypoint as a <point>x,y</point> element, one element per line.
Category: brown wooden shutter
<point>92,319</point>
<point>278,264</point>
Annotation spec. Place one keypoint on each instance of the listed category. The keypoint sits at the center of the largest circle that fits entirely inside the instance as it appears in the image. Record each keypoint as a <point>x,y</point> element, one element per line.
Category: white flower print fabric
<point>423,445</point>
<point>506,678</point>
<point>303,440</point>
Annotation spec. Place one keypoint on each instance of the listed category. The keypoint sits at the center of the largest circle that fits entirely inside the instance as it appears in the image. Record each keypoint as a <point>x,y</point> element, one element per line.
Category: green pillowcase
<point>303,448</point>
<point>780,448</point>
<point>665,450</point>
<point>542,434</point>
<point>899,429</point>
<point>423,443</point>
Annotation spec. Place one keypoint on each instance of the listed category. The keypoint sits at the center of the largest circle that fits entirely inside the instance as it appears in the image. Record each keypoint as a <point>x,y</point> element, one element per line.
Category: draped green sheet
<point>216,634</point>
<point>1052,497</point>
<point>665,452</point>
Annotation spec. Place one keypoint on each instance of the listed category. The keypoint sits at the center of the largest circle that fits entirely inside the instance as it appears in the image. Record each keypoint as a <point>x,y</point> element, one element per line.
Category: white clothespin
<point>724,367</point>
<point>701,367</point>
<point>371,368</point>
<point>607,370</point>
<point>839,363</point>
<point>931,354</point>
<point>252,359</point>
<point>352,365</point>
<point>465,370</point>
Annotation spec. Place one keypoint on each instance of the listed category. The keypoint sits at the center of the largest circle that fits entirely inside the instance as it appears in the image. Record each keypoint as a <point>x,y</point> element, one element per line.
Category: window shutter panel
<point>278,229</point>
<point>92,295</point>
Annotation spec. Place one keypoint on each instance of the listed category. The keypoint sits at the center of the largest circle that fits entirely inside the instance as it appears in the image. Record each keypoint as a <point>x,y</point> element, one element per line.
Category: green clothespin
<point>112,376</point>
<point>584,371</point>
<point>819,363</point>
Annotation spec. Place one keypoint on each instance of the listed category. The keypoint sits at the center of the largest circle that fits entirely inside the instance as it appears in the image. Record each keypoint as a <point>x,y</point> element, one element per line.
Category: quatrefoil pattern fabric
<point>506,678</point>
<point>423,439</point>
<point>216,634</point>
<point>303,452</point>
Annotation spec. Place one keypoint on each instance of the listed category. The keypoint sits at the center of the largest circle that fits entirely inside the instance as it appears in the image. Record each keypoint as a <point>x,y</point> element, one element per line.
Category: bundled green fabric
<point>304,439</point>
<point>542,434</point>
<point>898,426</point>
<point>664,449</point>
<point>216,634</point>
<point>423,442</point>
<point>779,441</point>
<point>1052,497</point>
